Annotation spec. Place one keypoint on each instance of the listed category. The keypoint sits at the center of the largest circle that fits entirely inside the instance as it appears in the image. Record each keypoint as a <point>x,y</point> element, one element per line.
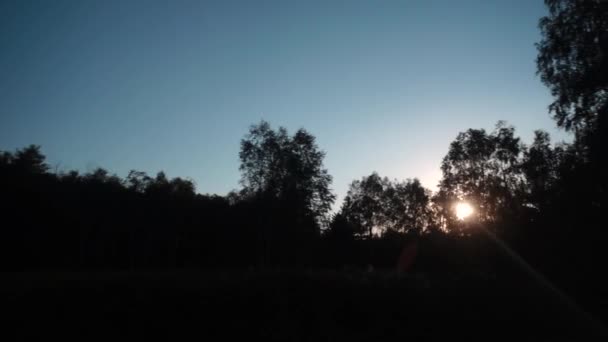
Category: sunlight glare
<point>463,210</point>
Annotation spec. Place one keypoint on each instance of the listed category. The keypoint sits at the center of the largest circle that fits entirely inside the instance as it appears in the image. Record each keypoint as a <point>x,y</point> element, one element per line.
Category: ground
<point>282,306</point>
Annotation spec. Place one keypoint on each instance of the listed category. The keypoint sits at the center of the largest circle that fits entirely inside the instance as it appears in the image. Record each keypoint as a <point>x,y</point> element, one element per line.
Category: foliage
<point>286,168</point>
<point>375,205</point>
<point>484,170</point>
<point>573,61</point>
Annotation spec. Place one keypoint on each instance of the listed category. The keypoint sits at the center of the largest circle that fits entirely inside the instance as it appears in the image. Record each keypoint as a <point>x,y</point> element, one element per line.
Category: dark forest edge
<point>528,196</point>
<point>542,200</point>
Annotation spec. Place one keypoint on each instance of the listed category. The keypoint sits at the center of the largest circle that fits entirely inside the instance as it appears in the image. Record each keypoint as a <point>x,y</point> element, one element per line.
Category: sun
<point>463,210</point>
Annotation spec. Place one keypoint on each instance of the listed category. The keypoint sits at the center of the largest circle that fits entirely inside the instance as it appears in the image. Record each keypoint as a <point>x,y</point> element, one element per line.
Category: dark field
<point>287,306</point>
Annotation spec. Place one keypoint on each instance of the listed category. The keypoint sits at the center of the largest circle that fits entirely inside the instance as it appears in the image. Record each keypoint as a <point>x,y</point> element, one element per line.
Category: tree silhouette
<point>29,160</point>
<point>138,181</point>
<point>363,204</point>
<point>484,170</point>
<point>573,61</point>
<point>540,167</point>
<point>289,168</point>
<point>375,205</point>
<point>285,183</point>
<point>408,208</point>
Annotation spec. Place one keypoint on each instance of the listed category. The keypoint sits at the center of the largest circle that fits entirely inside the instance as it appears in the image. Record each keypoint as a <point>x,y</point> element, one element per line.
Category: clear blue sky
<point>174,85</point>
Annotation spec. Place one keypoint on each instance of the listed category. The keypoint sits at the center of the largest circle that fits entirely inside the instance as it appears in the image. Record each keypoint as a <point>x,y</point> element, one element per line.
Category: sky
<point>174,85</point>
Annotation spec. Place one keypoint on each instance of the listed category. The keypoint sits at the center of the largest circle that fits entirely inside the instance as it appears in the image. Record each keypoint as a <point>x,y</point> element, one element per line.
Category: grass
<point>281,306</point>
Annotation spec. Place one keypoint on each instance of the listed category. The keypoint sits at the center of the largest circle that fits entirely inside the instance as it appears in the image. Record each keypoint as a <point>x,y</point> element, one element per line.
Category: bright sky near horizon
<point>173,85</point>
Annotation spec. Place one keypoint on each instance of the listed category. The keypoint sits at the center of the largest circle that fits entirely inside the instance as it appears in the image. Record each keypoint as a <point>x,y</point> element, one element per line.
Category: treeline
<point>526,195</point>
<point>99,220</point>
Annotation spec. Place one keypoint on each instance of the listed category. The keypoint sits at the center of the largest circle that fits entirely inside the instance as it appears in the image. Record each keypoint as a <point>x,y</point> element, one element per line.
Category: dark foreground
<point>285,306</point>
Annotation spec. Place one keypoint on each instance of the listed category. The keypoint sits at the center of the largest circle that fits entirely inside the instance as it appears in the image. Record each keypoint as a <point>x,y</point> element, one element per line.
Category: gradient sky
<point>173,85</point>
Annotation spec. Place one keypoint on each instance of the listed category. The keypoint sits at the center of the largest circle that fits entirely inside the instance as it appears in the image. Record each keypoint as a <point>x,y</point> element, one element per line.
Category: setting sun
<point>463,210</point>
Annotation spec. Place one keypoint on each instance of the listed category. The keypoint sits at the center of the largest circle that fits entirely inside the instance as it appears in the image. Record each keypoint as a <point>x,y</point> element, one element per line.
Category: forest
<point>535,208</point>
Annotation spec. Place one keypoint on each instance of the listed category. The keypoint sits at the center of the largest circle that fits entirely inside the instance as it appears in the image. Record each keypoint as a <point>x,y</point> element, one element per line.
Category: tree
<point>340,229</point>
<point>408,207</point>
<point>138,181</point>
<point>485,170</point>
<point>376,205</point>
<point>364,202</point>
<point>30,160</point>
<point>159,186</point>
<point>183,188</point>
<point>288,168</point>
<point>573,61</point>
<point>6,158</point>
<point>540,167</point>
